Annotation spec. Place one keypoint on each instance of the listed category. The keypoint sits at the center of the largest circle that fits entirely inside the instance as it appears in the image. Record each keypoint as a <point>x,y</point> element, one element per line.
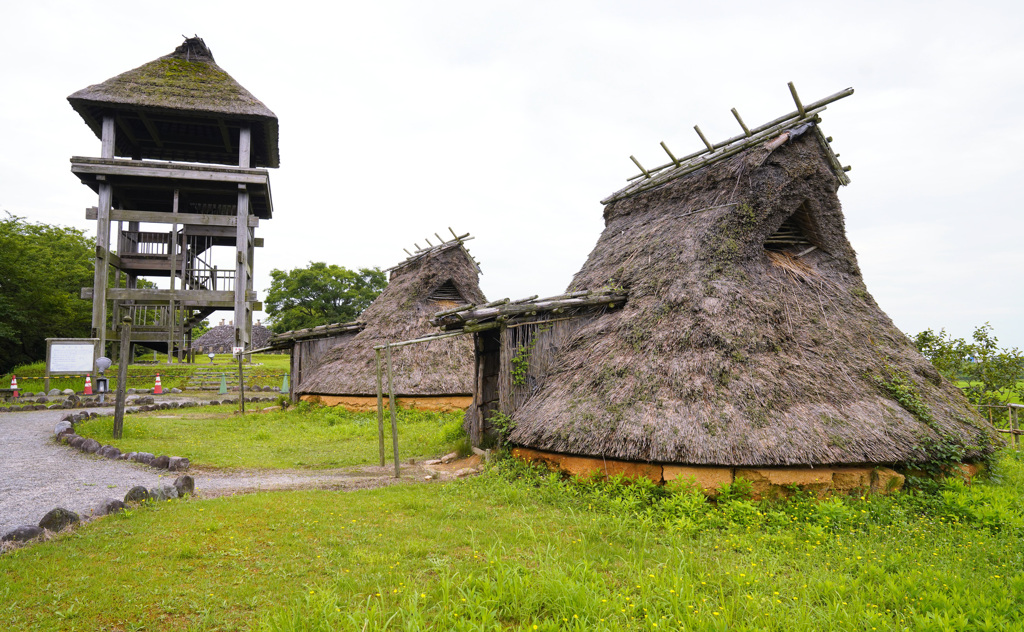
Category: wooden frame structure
<point>192,224</point>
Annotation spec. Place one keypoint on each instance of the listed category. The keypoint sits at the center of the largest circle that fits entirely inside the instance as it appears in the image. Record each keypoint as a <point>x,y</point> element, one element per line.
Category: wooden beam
<point>122,125</point>
<point>224,134</point>
<point>151,128</point>
<point>192,219</point>
<point>111,258</point>
<point>149,170</point>
<point>163,296</point>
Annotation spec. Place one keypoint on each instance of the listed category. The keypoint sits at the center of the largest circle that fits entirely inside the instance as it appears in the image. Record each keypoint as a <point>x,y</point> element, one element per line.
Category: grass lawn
<point>303,437</point>
<point>517,549</point>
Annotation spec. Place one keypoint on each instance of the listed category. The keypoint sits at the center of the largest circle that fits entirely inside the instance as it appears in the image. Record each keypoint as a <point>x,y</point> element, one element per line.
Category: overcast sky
<point>512,120</point>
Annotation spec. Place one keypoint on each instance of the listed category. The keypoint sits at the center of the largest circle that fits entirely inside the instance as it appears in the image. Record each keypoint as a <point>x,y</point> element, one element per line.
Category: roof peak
<point>193,49</point>
<point>716,152</point>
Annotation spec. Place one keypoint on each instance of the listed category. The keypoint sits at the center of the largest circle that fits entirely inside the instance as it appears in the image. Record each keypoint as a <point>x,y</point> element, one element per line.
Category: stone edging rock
<point>60,519</point>
<point>65,433</point>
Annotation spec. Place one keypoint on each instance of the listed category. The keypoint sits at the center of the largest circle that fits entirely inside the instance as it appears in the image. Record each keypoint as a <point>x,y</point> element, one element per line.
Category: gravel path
<point>38,474</point>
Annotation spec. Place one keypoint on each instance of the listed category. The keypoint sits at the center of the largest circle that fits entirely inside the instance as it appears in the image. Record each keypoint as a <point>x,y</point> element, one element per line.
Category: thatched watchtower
<point>180,179</point>
<point>747,346</point>
<point>434,375</point>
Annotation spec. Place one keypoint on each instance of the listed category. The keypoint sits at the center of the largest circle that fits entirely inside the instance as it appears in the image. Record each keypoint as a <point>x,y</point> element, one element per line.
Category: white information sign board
<point>66,358</point>
<point>71,356</point>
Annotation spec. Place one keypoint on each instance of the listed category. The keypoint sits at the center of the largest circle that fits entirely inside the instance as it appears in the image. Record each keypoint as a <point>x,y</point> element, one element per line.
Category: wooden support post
<point>122,375</point>
<point>391,405</point>
<point>101,271</point>
<point>242,243</point>
<point>172,253</point>
<point>380,410</point>
<point>108,136</point>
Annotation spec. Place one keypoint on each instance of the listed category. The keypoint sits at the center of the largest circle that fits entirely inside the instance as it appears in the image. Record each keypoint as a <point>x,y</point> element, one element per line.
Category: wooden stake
<point>739,120</point>
<point>380,411</point>
<point>704,138</point>
<point>637,163</point>
<point>394,419</point>
<point>674,159</point>
<point>122,375</point>
<point>796,99</point>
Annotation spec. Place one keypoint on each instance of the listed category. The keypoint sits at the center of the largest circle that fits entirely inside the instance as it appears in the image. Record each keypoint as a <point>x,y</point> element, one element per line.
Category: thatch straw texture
<point>722,356</point>
<point>402,312</point>
<point>187,82</point>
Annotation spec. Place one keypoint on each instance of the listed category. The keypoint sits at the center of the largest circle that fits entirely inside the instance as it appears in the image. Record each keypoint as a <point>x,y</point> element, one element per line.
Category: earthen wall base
<point>438,404</point>
<point>765,482</point>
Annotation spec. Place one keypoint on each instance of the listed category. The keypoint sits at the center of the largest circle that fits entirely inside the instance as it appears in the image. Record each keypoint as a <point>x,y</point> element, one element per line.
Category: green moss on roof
<point>198,85</point>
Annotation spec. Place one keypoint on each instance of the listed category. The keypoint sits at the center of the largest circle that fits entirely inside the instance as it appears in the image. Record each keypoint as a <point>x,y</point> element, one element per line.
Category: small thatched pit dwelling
<point>434,375</point>
<point>747,347</point>
<point>307,346</point>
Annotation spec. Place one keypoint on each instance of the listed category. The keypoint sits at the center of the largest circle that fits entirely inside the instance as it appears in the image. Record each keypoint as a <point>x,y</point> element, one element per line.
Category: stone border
<point>144,403</point>
<point>59,519</point>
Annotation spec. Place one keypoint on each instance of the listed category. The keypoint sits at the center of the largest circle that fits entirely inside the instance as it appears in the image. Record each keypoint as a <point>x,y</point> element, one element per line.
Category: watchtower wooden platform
<point>181,180</point>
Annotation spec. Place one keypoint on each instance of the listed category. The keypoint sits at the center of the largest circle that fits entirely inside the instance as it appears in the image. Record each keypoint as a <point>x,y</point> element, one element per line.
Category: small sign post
<point>238,351</point>
<point>122,375</point>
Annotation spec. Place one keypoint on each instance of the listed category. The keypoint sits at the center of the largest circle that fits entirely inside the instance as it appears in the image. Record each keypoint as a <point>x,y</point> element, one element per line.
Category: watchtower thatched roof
<point>181,107</point>
<point>432,279</point>
<point>748,337</point>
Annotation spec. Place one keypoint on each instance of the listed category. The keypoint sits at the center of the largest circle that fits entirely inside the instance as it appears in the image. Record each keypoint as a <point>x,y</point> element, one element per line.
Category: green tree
<point>320,295</point>
<point>42,271</point>
<point>987,374</point>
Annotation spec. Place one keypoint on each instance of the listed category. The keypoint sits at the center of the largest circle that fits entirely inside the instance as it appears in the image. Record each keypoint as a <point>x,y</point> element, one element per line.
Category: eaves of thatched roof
<point>473,318</point>
<point>417,289</point>
<point>181,107</point>
<point>735,348</point>
<point>287,339</point>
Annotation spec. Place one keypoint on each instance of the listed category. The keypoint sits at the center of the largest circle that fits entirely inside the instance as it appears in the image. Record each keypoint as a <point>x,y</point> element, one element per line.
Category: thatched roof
<point>731,352</point>
<point>221,339</point>
<point>181,107</point>
<point>418,287</point>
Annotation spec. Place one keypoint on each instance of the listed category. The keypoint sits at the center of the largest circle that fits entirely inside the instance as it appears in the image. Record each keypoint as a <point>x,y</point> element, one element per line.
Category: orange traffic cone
<point>158,390</point>
<point>14,384</point>
<point>88,385</point>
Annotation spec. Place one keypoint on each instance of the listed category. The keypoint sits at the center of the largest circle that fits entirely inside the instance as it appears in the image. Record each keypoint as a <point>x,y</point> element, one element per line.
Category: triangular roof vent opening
<point>795,236</point>
<point>447,293</point>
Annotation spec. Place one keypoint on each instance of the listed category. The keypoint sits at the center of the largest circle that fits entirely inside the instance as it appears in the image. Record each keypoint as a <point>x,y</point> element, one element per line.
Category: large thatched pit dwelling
<point>747,345</point>
<point>435,375</point>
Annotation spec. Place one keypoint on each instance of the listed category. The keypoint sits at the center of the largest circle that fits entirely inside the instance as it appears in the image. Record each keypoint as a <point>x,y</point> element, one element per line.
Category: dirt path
<point>38,474</point>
